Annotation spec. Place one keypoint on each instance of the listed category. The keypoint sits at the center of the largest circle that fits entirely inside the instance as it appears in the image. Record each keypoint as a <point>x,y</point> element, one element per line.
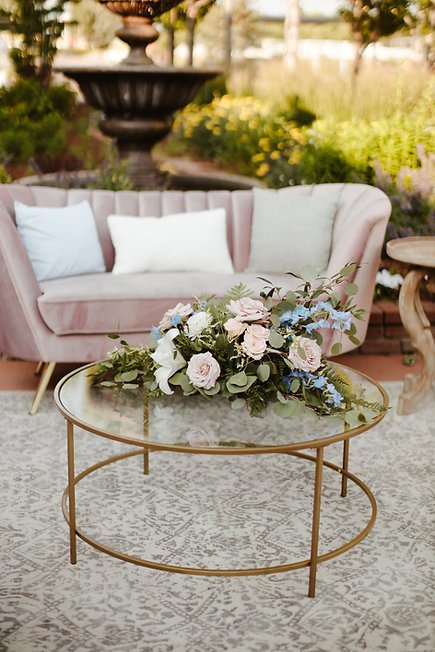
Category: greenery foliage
<point>33,119</point>
<point>39,24</point>
<point>281,144</point>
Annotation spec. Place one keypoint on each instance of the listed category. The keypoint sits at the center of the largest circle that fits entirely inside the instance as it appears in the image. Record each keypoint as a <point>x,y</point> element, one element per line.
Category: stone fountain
<point>137,97</point>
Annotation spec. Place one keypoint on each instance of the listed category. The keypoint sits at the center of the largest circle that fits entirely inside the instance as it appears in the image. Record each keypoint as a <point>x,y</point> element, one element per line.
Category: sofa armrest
<point>21,325</point>
<point>358,237</point>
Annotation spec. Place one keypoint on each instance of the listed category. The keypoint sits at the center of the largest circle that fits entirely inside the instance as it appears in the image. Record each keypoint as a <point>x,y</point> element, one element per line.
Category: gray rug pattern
<point>216,512</point>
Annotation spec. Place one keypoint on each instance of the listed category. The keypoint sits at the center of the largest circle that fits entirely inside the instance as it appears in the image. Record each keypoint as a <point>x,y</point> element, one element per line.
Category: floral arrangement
<point>252,351</point>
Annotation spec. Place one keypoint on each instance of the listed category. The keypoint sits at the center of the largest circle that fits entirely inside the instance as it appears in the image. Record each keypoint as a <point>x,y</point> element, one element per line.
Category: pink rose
<point>305,354</point>
<point>203,370</point>
<point>248,309</point>
<point>234,327</point>
<point>255,341</point>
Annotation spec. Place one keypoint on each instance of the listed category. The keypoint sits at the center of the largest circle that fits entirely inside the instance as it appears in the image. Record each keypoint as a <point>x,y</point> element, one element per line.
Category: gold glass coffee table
<point>211,428</point>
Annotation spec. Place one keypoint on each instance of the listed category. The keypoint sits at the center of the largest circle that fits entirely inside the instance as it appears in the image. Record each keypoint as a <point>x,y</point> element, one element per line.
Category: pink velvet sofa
<point>67,319</point>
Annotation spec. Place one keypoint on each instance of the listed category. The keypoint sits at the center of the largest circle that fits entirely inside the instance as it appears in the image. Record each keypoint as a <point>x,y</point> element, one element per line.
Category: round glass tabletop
<point>196,424</point>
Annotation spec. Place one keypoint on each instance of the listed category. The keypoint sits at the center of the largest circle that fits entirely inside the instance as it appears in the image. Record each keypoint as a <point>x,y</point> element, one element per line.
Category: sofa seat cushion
<point>131,303</point>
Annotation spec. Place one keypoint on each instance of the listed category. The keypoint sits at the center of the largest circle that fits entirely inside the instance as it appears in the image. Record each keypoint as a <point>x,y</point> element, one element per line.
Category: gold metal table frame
<point>145,446</point>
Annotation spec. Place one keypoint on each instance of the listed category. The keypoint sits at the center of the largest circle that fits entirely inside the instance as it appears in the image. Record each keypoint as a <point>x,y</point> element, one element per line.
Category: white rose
<point>311,356</point>
<point>203,370</point>
<point>197,323</point>
<point>169,359</point>
<point>234,327</point>
<point>255,341</point>
<point>248,309</point>
<point>181,309</point>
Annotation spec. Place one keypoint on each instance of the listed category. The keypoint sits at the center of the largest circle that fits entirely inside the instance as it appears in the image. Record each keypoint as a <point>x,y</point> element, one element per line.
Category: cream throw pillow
<point>289,232</point>
<point>183,242</point>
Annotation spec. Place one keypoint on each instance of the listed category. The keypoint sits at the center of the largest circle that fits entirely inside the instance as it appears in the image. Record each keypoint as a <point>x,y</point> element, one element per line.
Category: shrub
<point>33,119</point>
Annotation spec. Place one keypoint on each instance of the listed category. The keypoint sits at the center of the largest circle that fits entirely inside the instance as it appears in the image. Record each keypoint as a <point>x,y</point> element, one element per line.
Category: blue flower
<point>324,306</point>
<point>294,316</point>
<point>334,395</point>
<point>315,325</point>
<point>155,331</point>
<point>320,382</point>
<point>176,320</point>
<point>342,320</point>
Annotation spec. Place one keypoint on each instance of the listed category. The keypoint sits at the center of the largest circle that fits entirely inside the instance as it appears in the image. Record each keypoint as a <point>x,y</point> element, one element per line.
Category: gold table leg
<point>71,494</point>
<point>418,326</point>
<point>45,370</point>
<point>345,466</point>
<point>316,523</point>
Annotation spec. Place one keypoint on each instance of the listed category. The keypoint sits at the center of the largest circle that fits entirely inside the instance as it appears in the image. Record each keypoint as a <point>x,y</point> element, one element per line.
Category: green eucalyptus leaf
<point>275,320</point>
<point>294,385</point>
<point>213,390</point>
<point>285,410</point>
<point>238,404</point>
<point>354,340</point>
<point>348,270</point>
<point>237,389</point>
<point>238,379</point>
<point>107,383</point>
<point>263,372</point>
<point>276,340</point>
<point>128,376</point>
<point>308,273</point>
<point>337,348</point>
<point>130,386</point>
<point>351,289</point>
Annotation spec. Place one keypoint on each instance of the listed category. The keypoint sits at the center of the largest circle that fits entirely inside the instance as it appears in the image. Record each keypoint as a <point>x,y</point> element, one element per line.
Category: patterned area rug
<point>221,512</point>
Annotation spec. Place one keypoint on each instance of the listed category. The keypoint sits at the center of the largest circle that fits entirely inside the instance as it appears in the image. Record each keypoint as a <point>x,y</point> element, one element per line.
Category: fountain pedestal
<point>138,98</point>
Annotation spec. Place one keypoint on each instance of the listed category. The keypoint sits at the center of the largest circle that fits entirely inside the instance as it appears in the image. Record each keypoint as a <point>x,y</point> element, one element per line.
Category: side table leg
<point>345,465</point>
<point>71,494</point>
<point>316,522</point>
<point>418,326</point>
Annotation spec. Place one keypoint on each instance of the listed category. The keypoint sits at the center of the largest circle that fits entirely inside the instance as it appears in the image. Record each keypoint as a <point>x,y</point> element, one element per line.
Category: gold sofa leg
<point>46,369</point>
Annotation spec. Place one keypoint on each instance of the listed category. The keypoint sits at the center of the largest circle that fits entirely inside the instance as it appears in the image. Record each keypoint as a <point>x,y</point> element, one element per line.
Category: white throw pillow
<point>60,241</point>
<point>183,242</point>
<point>290,231</point>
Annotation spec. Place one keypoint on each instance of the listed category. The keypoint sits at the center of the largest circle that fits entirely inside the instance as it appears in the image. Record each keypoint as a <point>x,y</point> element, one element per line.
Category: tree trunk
<point>190,38</point>
<point>358,40</point>
<point>228,39</point>
<point>291,33</point>
<point>172,22</point>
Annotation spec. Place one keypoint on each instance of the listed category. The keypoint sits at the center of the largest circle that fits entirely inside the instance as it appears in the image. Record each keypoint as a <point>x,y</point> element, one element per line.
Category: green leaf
<point>107,383</point>
<point>291,297</point>
<point>213,390</point>
<point>113,336</point>
<point>276,340</point>
<point>308,273</point>
<point>238,379</point>
<point>348,270</point>
<point>294,385</point>
<point>263,372</point>
<point>337,348</point>
<point>285,410</point>
<point>354,340</point>
<point>128,376</point>
<point>351,418</point>
<point>130,386</point>
<point>237,389</point>
<point>351,289</point>
<point>275,320</point>
<point>238,404</point>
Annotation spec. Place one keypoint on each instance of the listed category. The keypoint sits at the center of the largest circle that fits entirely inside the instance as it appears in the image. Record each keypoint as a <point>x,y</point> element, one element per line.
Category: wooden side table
<point>419,253</point>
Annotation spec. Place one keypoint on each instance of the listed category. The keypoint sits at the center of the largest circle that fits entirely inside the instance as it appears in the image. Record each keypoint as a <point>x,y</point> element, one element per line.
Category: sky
<point>277,7</point>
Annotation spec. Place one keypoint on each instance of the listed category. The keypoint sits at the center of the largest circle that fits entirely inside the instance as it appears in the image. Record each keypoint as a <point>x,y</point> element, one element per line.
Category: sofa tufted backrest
<point>355,199</point>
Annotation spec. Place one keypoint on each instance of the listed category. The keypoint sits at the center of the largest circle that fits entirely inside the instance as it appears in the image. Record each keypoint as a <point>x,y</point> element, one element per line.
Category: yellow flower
<point>263,170</point>
<point>216,131</point>
<point>275,155</point>
<point>257,158</point>
<point>295,157</point>
<point>264,144</point>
